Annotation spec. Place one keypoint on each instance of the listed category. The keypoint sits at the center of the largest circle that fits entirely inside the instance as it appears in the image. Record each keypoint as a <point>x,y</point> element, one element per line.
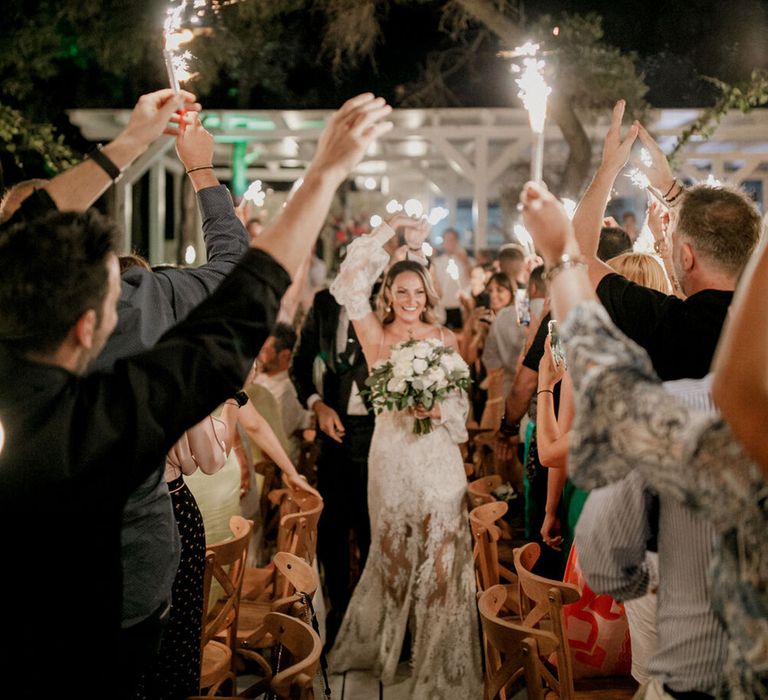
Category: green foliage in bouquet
<point>417,373</point>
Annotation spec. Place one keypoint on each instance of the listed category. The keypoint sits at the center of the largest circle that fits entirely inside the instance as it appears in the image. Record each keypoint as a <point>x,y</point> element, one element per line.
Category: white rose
<point>420,366</point>
<point>396,386</point>
<point>418,384</point>
<point>403,355</point>
<point>421,349</point>
<point>401,370</point>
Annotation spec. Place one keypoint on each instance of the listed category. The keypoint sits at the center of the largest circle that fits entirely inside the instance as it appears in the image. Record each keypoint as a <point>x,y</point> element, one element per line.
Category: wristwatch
<point>509,429</point>
<point>242,398</point>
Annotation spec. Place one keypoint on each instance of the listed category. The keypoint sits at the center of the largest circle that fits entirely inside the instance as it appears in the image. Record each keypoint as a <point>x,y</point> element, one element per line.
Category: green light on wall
<point>239,165</point>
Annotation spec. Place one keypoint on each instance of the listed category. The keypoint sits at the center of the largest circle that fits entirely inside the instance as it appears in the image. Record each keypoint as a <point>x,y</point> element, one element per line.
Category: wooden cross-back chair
<point>300,646</point>
<point>297,534</point>
<point>253,637</point>
<point>224,563</point>
<point>541,607</point>
<point>481,489</point>
<point>513,652</point>
<point>483,523</point>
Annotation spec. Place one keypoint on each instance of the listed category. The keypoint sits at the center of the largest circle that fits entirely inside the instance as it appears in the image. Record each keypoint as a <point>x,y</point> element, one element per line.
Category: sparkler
<point>177,64</point>
<point>639,178</point>
<point>533,92</point>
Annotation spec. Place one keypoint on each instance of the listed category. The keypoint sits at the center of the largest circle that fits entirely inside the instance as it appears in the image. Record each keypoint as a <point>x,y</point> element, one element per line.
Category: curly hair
<point>52,270</point>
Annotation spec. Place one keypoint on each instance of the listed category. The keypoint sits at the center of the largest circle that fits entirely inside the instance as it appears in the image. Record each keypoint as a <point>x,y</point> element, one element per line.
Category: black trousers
<point>342,475</point>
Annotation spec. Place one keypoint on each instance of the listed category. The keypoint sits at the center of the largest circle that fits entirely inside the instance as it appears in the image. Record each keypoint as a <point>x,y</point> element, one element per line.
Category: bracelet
<point>565,262</point>
<point>105,162</point>
<point>660,247</point>
<point>200,167</point>
<point>415,250</point>
<point>671,200</point>
<point>671,187</point>
<point>545,391</point>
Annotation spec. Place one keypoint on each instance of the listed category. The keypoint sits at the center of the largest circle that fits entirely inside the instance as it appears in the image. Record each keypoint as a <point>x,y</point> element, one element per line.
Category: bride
<point>419,573</point>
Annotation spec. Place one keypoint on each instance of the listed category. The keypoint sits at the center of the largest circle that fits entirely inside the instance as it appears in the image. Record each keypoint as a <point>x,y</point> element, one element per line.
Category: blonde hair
<point>384,297</point>
<point>643,269</point>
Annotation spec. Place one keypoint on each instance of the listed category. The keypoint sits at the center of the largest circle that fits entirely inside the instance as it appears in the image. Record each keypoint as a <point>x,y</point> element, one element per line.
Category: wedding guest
<point>713,232</point>
<point>629,224</point>
<point>625,421</point>
<point>452,269</point>
<point>272,367</point>
<point>125,421</point>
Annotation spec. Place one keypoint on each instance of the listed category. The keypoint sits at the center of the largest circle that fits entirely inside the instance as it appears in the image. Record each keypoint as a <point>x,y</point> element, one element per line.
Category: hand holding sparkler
<point>154,115</point>
<point>546,220</point>
<point>658,171</point>
<point>194,146</point>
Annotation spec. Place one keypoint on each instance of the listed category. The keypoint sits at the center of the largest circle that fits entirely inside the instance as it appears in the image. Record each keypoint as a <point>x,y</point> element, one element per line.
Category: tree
<point>590,74</point>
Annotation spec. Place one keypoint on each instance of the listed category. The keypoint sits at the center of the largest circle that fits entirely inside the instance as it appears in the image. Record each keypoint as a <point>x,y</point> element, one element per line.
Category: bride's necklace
<point>410,336</point>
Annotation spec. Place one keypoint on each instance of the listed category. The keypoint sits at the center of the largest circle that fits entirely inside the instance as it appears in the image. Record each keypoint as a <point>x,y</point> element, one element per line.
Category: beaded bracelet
<point>565,262</point>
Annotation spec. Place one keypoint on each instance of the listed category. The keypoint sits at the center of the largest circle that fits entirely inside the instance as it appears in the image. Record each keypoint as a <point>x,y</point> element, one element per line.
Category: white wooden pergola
<point>446,154</point>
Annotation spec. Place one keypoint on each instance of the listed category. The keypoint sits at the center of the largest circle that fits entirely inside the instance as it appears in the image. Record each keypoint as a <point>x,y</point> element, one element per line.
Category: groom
<point>345,429</point>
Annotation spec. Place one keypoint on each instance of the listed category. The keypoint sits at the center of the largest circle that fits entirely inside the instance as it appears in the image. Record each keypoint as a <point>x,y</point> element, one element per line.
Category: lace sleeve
<point>625,419</point>
<point>454,410</point>
<point>364,262</point>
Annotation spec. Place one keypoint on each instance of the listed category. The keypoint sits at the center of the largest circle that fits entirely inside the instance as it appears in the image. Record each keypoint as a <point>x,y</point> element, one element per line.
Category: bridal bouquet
<point>417,373</point>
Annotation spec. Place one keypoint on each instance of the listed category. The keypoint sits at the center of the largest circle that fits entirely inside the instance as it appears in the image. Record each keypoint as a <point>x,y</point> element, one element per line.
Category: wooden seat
<point>513,652</point>
<point>224,563</point>
<point>297,534</point>
<point>300,647</point>
<point>541,608</point>
<point>480,450</point>
<point>252,635</point>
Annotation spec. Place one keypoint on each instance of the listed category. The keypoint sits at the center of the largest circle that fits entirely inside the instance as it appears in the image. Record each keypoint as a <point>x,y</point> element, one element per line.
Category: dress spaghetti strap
<point>442,335</point>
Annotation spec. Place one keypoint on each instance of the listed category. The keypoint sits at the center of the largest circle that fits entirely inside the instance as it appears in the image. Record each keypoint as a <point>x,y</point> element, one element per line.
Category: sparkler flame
<point>534,90</point>
<point>645,158</point>
<point>638,178</point>
<point>177,64</point>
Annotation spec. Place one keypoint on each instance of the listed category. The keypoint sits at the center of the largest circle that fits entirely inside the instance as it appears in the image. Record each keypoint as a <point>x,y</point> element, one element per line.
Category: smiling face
<point>499,296</point>
<point>408,296</point>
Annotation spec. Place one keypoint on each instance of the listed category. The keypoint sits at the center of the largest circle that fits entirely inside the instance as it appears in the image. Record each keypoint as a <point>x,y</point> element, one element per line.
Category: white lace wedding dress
<point>419,573</point>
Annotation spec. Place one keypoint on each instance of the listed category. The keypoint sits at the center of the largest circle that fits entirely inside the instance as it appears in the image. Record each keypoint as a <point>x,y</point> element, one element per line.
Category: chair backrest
<point>299,516</point>
<point>513,650</point>
<point>303,647</point>
<point>541,601</point>
<point>225,563</point>
<point>485,536</point>
<point>481,490</point>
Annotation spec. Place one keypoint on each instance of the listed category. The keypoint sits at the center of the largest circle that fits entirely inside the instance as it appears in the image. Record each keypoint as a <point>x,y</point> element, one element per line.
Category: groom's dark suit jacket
<point>318,338</point>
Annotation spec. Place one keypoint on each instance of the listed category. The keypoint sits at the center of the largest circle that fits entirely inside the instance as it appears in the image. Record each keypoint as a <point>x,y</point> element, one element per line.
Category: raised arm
<point>588,218</point>
<point>365,260</point>
<point>740,386</point>
<point>79,187</point>
<point>341,147</point>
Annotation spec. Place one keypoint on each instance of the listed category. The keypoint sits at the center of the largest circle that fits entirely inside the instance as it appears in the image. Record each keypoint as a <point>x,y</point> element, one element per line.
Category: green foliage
<point>743,96</point>
<point>33,148</point>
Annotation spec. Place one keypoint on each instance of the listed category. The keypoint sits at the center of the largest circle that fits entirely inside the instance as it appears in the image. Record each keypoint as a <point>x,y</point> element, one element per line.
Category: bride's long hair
<point>384,308</point>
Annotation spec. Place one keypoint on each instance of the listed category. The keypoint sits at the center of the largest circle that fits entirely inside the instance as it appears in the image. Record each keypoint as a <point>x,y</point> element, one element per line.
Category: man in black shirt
<point>77,445</point>
<point>712,233</point>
